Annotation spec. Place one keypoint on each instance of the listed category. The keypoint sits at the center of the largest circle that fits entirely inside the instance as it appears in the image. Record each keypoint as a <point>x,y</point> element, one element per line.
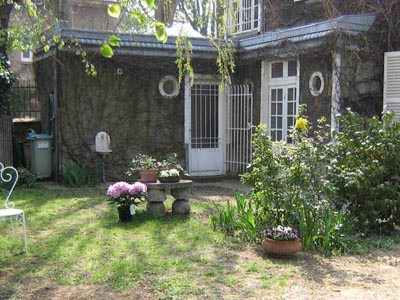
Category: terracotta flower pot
<point>148,176</point>
<point>282,248</point>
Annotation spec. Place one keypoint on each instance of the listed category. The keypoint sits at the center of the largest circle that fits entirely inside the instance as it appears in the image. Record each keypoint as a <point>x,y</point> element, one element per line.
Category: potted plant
<point>281,241</point>
<point>126,197</point>
<point>169,176</point>
<point>147,167</point>
<point>170,169</point>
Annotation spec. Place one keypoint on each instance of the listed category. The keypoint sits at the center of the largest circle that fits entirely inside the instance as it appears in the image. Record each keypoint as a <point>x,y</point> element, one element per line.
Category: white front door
<point>206,149</point>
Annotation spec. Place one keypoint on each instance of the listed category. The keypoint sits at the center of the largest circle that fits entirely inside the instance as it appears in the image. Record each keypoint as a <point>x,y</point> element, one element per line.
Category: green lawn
<point>75,239</point>
<point>78,250</point>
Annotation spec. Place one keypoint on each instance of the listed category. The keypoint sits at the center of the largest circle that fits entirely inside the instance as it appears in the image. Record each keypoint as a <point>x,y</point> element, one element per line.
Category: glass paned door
<point>206,151</point>
<point>205,116</point>
<point>283,111</point>
<point>277,113</point>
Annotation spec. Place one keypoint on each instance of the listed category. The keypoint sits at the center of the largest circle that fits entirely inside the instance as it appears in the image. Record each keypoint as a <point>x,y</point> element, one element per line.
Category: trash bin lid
<point>34,136</point>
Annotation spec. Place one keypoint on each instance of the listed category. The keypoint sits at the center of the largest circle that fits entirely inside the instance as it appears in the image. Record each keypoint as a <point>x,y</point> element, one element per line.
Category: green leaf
<point>114,10</point>
<point>106,51</point>
<point>114,41</point>
<point>139,16</point>
<point>56,39</point>
<point>46,48</point>
<point>31,9</point>
<point>160,32</point>
<point>151,3</point>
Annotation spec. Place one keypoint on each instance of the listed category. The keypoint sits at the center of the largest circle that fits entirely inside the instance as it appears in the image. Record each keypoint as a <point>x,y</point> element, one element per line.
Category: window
<point>277,70</point>
<point>284,69</point>
<point>244,16</point>
<point>283,98</point>
<point>292,68</point>
<point>26,56</point>
<point>283,111</point>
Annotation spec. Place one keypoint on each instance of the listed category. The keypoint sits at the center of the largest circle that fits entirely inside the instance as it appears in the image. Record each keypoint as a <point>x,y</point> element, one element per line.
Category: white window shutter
<point>391,95</point>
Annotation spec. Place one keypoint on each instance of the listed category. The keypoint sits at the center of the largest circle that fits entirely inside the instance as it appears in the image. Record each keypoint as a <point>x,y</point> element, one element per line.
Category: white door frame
<point>198,79</point>
<point>267,83</point>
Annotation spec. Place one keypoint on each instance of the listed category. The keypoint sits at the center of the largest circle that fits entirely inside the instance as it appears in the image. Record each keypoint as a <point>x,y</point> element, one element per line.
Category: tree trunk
<point>166,11</point>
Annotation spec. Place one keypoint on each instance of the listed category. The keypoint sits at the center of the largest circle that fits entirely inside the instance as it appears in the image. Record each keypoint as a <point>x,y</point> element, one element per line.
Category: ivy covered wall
<point>123,100</point>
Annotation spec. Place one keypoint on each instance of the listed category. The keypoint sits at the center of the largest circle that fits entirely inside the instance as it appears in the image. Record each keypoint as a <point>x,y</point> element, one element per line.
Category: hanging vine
<point>184,57</point>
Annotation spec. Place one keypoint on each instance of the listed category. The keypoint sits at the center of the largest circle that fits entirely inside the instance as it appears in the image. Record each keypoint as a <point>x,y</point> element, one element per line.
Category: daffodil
<point>301,124</point>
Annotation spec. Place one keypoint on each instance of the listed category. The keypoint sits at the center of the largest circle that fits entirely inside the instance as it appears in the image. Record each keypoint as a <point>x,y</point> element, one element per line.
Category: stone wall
<point>288,13</point>
<point>123,100</point>
<point>317,106</point>
<point>362,83</point>
<point>87,15</point>
<point>23,70</point>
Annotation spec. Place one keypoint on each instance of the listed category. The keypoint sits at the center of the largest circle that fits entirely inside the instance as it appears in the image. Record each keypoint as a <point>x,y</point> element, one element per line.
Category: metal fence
<point>25,104</point>
<point>6,147</point>
<point>239,128</point>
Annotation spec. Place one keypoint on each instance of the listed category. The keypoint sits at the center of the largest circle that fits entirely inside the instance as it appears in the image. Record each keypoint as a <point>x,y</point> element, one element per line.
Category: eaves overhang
<point>134,44</point>
<point>269,43</point>
<point>304,37</point>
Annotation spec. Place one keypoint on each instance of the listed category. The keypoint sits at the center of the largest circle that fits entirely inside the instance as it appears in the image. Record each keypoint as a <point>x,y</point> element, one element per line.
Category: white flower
<point>169,173</point>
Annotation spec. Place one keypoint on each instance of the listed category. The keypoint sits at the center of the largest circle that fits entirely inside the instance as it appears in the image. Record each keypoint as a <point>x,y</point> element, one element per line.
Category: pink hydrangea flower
<point>137,187</point>
<point>118,189</point>
<point>122,188</point>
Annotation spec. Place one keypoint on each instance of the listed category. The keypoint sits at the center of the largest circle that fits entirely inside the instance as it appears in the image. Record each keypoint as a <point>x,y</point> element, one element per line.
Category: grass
<point>75,239</point>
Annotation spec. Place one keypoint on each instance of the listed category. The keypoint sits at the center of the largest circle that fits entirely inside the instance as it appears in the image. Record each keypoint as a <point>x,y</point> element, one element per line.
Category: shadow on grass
<point>84,243</point>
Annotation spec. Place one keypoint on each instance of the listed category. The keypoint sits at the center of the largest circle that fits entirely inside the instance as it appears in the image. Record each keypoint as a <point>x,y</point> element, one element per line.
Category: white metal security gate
<point>239,128</point>
<point>206,149</point>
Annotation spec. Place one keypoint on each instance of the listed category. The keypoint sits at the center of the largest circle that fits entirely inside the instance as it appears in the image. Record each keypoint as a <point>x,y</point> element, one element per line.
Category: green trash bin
<point>41,154</point>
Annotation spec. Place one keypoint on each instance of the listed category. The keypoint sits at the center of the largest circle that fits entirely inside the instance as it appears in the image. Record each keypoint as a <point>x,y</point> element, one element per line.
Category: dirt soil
<point>373,276</point>
<point>376,276</point>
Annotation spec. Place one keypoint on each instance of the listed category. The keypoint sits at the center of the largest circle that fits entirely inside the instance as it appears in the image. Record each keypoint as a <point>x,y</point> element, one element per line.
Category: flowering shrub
<point>147,162</point>
<point>171,162</point>
<point>328,190</point>
<point>301,124</point>
<point>288,184</point>
<point>281,233</point>
<point>364,171</point>
<point>125,194</point>
<point>169,173</point>
<point>143,162</point>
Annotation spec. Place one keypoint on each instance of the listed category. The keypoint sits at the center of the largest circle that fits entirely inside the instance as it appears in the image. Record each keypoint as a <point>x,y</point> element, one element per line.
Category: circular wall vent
<point>317,84</point>
<point>169,87</point>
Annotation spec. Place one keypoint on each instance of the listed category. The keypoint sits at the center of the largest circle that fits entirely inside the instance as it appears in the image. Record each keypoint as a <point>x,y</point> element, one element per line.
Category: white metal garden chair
<point>9,176</point>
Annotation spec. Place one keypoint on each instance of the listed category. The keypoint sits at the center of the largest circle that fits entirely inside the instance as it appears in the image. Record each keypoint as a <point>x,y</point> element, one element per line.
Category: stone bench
<point>157,194</point>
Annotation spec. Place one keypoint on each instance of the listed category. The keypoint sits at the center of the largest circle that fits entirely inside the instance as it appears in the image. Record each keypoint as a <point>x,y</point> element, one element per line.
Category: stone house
<point>287,56</point>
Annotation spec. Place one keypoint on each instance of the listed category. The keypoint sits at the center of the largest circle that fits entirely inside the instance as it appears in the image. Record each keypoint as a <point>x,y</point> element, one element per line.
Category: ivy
<point>114,10</point>
<point>184,58</point>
